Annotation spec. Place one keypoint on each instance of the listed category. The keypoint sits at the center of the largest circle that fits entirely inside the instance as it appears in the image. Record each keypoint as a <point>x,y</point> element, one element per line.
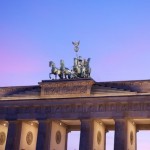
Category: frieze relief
<point>78,108</point>
<point>64,90</point>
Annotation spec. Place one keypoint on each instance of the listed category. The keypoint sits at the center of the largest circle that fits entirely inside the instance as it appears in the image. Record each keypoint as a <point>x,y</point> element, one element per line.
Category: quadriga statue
<point>87,68</point>
<point>78,67</point>
<point>66,73</point>
<point>81,67</point>
<point>54,70</point>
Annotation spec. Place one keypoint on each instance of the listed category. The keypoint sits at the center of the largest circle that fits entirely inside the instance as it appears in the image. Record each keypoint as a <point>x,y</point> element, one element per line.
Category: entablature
<point>74,88</point>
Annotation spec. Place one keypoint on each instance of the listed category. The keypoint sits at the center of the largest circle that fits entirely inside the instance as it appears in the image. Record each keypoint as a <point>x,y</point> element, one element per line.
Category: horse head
<point>51,63</point>
<point>87,67</point>
<point>62,65</point>
<point>88,60</point>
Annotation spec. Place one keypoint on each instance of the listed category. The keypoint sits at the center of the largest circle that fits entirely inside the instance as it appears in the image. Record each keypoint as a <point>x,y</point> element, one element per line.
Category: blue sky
<point>114,33</point>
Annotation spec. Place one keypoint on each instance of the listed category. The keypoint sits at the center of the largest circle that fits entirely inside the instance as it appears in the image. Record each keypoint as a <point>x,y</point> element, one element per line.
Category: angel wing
<point>76,44</point>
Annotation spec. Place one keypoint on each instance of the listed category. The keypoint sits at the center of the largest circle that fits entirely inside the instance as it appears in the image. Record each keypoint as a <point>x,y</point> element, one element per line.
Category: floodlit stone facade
<point>40,117</point>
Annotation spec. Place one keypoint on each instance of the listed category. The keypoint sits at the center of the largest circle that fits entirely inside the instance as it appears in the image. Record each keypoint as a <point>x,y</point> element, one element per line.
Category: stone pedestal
<point>13,136</point>
<point>66,88</point>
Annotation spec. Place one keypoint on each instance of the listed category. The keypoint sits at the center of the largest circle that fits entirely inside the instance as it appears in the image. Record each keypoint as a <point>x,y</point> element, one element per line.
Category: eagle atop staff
<point>76,46</point>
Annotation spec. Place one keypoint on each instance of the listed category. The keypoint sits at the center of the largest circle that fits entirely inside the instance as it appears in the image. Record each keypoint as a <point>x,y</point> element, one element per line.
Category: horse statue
<point>79,68</point>
<point>65,71</point>
<point>55,71</point>
<point>87,68</point>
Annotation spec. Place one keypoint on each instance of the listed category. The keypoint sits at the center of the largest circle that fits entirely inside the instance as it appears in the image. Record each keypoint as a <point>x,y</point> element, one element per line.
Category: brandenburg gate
<point>40,117</point>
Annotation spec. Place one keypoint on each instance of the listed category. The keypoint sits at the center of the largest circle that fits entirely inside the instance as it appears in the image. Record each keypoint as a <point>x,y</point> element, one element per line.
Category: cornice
<point>140,86</point>
<point>75,88</point>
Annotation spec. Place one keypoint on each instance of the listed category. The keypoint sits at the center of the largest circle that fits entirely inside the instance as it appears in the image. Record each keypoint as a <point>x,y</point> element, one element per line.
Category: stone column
<point>120,142</point>
<point>13,136</point>
<point>66,142</point>
<point>125,135</point>
<point>136,139</point>
<point>106,131</point>
<point>86,135</point>
<point>44,133</point>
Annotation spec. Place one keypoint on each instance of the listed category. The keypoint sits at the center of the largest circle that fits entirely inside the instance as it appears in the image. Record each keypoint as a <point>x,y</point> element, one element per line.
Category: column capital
<point>120,119</point>
<point>86,119</point>
<point>44,120</point>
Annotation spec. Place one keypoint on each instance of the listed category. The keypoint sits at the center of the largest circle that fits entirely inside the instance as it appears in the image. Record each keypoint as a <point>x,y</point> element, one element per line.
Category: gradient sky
<point>114,33</point>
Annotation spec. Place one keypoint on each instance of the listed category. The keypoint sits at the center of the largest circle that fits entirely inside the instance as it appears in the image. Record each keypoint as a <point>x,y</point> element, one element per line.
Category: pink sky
<point>115,34</point>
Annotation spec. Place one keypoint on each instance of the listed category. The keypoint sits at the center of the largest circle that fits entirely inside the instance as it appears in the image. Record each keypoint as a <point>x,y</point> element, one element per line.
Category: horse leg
<point>69,76</point>
<point>50,75</point>
<point>61,76</point>
<point>55,76</point>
